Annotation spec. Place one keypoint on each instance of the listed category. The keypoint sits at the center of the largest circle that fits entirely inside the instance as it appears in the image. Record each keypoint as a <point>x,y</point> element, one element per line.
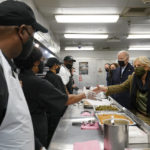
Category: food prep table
<point>67,134</point>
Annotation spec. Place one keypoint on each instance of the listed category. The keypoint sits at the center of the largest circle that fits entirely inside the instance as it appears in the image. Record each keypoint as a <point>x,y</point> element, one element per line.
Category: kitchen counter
<point>67,134</point>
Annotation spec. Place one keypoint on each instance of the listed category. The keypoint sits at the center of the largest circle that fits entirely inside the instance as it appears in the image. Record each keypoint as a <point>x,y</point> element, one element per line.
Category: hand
<point>43,148</point>
<point>99,89</point>
<point>90,95</point>
<point>74,86</point>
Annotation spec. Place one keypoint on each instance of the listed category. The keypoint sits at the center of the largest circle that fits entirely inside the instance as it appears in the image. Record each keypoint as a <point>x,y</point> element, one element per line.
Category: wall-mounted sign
<point>83,68</point>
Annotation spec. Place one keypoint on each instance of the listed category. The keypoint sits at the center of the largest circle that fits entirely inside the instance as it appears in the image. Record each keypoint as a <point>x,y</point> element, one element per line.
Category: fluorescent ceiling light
<point>79,48</point>
<point>37,45</point>
<point>38,37</point>
<point>86,36</point>
<point>146,48</point>
<point>46,52</point>
<point>86,18</point>
<point>138,36</point>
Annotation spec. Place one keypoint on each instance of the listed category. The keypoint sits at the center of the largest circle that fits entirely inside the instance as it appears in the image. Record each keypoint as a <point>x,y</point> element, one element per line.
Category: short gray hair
<point>126,53</point>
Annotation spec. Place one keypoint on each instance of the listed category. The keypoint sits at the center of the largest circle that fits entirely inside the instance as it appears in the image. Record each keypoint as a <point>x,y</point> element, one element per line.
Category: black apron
<point>69,85</point>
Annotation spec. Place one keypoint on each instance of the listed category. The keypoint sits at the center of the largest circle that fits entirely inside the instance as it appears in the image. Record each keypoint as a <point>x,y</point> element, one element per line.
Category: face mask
<point>107,70</point>
<point>121,63</point>
<point>139,71</point>
<point>26,47</point>
<point>41,67</point>
<point>57,70</point>
<point>26,51</point>
<point>69,66</point>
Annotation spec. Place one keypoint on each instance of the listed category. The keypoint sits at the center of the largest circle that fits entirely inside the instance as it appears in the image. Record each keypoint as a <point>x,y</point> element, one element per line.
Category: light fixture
<point>146,48</point>
<point>86,36</point>
<point>138,36</point>
<point>37,45</point>
<point>38,37</point>
<point>86,18</point>
<point>46,52</point>
<point>79,48</point>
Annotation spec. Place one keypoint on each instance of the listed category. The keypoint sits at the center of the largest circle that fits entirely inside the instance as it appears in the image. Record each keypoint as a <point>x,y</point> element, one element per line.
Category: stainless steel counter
<point>66,134</point>
<point>75,110</point>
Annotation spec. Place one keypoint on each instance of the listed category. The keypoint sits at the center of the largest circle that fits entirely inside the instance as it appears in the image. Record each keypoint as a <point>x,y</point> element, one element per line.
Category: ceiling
<point>130,21</point>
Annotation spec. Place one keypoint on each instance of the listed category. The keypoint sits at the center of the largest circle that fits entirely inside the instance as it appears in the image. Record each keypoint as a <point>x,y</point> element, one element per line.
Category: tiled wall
<point>96,60</point>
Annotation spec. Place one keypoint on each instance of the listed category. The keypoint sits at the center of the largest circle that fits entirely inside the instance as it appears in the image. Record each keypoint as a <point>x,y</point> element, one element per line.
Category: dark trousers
<point>40,126</point>
<point>53,120</point>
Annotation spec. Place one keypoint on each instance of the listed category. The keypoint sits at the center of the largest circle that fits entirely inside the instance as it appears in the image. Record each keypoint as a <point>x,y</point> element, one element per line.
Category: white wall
<point>96,60</point>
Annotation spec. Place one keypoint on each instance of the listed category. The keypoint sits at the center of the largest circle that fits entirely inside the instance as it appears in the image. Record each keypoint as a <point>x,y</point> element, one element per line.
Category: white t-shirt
<point>64,73</point>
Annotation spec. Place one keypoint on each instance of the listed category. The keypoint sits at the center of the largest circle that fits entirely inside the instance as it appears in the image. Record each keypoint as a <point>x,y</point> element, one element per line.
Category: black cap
<point>69,58</point>
<point>18,13</point>
<point>52,61</point>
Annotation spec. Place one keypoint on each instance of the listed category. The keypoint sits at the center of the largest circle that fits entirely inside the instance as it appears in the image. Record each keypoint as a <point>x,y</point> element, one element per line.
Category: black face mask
<point>121,63</point>
<point>26,47</point>
<point>57,70</point>
<point>26,51</point>
<point>107,70</point>
<point>41,67</point>
<point>69,66</point>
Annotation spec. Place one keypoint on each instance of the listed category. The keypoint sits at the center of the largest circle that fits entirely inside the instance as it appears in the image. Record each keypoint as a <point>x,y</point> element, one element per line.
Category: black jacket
<point>117,78</point>
<point>41,96</point>
<point>56,81</point>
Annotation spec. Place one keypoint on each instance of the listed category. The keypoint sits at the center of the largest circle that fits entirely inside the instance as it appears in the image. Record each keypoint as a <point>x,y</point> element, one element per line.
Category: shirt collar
<point>11,63</point>
<point>28,72</point>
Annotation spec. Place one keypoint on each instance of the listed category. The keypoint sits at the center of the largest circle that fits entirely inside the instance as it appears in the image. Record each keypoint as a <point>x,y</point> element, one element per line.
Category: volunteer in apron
<point>65,74</point>
<point>53,116</point>
<point>17,25</point>
<point>41,95</point>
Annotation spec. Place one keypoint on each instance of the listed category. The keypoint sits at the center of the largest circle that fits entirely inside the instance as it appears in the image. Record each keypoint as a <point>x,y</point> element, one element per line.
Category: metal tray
<point>106,111</point>
<point>137,149</point>
<point>113,113</point>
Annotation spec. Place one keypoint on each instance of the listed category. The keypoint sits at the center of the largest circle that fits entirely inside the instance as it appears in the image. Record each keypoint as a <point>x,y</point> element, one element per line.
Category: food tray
<point>116,116</point>
<point>106,108</point>
<point>86,104</point>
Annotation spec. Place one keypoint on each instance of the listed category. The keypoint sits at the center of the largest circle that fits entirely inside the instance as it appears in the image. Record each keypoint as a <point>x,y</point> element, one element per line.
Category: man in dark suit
<point>108,75</point>
<point>120,75</point>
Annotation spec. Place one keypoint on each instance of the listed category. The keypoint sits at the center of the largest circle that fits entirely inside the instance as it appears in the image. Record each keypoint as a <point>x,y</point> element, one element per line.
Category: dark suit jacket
<point>118,78</point>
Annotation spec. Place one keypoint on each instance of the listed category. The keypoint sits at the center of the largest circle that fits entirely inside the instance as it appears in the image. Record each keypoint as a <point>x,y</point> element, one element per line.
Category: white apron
<point>16,130</point>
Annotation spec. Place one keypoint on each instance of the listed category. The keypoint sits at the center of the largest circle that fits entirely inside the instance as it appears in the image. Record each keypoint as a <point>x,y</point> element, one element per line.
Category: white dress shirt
<point>65,74</point>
